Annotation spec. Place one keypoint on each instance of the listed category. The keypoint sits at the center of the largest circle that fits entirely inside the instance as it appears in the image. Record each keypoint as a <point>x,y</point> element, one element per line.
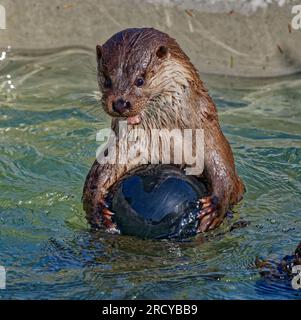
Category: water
<point>48,125</point>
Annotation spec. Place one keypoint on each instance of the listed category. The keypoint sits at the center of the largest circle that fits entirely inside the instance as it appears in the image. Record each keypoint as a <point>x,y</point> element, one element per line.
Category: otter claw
<point>104,204</point>
<point>208,215</point>
<point>106,215</point>
<point>107,212</point>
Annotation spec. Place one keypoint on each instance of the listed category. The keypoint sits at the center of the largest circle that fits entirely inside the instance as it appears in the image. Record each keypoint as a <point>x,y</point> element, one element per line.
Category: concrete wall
<point>219,38</point>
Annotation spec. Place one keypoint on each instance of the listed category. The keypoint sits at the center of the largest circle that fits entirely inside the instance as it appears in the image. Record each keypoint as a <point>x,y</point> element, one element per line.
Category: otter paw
<point>208,216</point>
<point>107,222</point>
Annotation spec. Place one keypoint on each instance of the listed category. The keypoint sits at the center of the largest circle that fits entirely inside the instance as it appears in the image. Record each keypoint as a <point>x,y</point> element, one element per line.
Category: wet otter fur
<point>146,79</point>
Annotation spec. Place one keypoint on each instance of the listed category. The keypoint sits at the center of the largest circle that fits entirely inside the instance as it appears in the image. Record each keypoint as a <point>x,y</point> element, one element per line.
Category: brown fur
<point>173,96</point>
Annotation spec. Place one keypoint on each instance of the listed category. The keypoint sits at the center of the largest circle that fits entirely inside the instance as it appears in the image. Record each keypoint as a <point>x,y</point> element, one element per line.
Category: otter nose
<point>120,106</point>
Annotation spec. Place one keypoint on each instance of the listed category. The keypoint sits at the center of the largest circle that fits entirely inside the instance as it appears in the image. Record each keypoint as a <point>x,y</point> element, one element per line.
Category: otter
<point>287,269</point>
<point>147,80</point>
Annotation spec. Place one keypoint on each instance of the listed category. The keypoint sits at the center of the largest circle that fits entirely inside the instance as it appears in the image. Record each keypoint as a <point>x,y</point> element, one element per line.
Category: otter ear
<point>162,52</point>
<point>98,52</point>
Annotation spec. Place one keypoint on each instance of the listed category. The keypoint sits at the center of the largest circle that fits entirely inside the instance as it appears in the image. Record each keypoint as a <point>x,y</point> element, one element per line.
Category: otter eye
<point>107,83</point>
<point>139,82</point>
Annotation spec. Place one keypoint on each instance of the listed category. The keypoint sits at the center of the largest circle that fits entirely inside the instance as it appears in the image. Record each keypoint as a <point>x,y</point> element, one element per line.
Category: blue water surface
<point>48,125</point>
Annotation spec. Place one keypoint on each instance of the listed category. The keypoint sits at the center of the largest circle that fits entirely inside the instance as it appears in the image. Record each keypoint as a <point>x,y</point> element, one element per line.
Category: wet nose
<point>120,106</point>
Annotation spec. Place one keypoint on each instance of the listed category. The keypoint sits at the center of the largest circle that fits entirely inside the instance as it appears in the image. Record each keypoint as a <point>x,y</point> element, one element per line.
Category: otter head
<point>139,67</point>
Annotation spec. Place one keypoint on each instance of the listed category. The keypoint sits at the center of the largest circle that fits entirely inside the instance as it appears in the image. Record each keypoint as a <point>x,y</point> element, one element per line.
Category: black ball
<point>157,202</point>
